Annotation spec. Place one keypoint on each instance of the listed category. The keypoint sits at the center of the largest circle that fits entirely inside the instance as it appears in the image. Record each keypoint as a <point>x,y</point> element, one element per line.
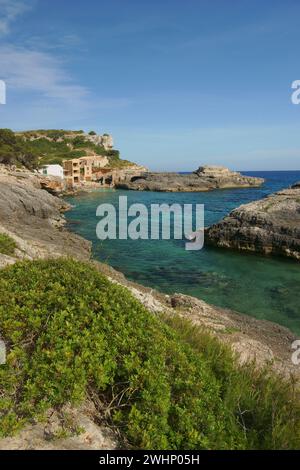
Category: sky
<point>178,83</point>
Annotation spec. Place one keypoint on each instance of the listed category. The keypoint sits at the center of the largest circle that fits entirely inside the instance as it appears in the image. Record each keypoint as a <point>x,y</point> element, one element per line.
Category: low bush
<point>7,244</point>
<point>70,333</point>
<point>48,147</point>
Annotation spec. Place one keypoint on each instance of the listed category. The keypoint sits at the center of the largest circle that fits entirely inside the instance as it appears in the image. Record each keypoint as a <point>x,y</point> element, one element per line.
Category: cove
<point>266,288</point>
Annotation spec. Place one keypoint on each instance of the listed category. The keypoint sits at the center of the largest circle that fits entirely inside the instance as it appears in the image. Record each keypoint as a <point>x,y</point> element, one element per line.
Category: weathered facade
<point>94,171</point>
<point>82,170</point>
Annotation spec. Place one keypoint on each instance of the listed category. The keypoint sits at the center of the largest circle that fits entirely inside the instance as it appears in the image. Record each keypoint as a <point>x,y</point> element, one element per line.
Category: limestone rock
<point>53,184</point>
<point>34,219</point>
<point>206,178</point>
<point>267,226</point>
<point>105,140</point>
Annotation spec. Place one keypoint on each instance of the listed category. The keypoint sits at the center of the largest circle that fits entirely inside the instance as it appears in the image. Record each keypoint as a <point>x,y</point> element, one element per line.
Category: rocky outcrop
<point>104,140</point>
<point>268,226</point>
<point>53,184</point>
<point>206,178</point>
<point>33,218</point>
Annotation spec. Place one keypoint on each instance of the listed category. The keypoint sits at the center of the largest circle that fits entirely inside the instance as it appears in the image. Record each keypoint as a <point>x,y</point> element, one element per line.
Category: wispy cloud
<point>38,72</point>
<point>41,76</point>
<point>10,10</point>
<point>46,78</point>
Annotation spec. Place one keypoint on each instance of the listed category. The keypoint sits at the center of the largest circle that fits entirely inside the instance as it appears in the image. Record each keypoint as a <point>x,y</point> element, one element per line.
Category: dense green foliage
<point>15,151</point>
<point>7,244</point>
<point>71,333</point>
<point>48,147</point>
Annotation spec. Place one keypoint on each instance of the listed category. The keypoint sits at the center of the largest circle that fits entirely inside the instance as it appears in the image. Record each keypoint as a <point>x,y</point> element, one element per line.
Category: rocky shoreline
<point>34,219</point>
<point>206,178</point>
<point>268,226</point>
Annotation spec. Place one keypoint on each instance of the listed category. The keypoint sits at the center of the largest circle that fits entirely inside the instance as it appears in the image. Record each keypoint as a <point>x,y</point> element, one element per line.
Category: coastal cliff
<point>206,178</point>
<point>33,218</point>
<point>268,226</point>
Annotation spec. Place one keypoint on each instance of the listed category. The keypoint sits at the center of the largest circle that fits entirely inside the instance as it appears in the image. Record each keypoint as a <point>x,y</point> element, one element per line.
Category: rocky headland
<point>268,226</point>
<point>206,178</point>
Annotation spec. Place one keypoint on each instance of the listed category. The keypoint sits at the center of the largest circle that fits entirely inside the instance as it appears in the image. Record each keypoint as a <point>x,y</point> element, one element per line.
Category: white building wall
<point>52,170</point>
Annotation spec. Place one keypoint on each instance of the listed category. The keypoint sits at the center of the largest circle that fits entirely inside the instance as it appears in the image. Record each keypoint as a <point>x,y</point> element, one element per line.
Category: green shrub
<point>266,406</point>
<point>18,149</point>
<point>79,141</point>
<point>71,333</point>
<point>7,245</point>
<point>15,151</point>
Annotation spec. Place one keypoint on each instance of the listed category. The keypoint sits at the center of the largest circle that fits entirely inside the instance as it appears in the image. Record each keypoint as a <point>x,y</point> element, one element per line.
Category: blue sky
<point>178,83</point>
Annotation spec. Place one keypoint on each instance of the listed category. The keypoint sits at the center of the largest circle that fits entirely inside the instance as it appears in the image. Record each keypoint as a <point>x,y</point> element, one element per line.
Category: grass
<point>7,245</point>
<point>71,334</point>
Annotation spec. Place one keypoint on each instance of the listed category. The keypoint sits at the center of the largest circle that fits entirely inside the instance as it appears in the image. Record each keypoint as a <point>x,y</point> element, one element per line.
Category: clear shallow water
<point>263,287</point>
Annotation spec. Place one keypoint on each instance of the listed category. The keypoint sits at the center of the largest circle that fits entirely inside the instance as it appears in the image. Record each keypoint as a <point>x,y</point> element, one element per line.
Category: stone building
<point>79,171</point>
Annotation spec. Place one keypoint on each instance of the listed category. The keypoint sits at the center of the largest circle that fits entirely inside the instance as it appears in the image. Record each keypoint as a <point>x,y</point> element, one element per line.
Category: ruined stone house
<point>78,171</point>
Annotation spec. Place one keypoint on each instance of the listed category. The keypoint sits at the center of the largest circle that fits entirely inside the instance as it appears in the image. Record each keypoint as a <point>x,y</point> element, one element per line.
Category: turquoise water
<point>266,288</point>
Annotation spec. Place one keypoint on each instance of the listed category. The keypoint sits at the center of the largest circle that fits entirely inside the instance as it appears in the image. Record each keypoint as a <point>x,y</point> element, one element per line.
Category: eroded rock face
<point>33,218</point>
<point>53,184</point>
<point>206,178</point>
<point>268,226</point>
<point>105,140</point>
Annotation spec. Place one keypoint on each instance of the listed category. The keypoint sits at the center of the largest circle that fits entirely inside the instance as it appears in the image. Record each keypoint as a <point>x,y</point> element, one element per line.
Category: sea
<point>263,287</point>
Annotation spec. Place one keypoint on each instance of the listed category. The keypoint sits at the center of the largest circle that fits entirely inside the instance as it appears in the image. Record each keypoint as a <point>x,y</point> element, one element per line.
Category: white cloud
<point>38,77</point>
<point>41,93</point>
<point>9,11</point>
<point>38,72</point>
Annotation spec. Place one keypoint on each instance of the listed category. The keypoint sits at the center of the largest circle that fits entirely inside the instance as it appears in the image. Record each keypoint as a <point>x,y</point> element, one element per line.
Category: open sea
<point>266,288</point>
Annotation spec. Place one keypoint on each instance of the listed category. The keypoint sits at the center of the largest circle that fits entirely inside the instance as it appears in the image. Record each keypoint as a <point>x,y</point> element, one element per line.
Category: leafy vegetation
<point>15,151</point>
<point>7,244</point>
<point>34,149</point>
<point>70,333</point>
<point>51,133</point>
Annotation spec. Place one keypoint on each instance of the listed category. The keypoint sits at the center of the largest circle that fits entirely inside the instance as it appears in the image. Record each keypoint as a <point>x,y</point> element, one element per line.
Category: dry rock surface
<point>206,178</point>
<point>34,219</point>
<point>268,226</point>
<point>67,429</point>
